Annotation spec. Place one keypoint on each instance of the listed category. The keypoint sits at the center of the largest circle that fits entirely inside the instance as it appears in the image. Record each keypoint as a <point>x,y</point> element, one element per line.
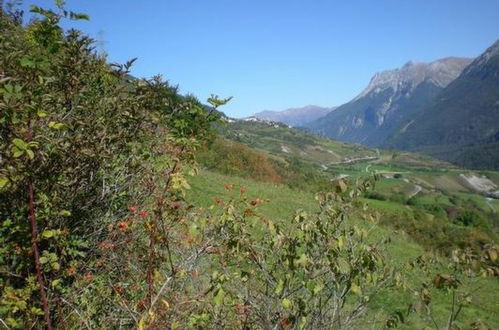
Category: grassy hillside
<point>427,198</point>
<point>425,205</point>
<point>279,140</point>
<point>281,203</point>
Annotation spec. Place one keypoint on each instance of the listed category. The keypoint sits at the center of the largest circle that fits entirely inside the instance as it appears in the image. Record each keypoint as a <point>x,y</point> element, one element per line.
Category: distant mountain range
<point>296,117</point>
<point>448,109</point>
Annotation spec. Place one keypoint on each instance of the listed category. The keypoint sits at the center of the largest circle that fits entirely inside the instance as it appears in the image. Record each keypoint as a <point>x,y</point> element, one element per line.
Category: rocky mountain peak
<point>484,58</point>
<point>492,50</point>
<point>411,74</point>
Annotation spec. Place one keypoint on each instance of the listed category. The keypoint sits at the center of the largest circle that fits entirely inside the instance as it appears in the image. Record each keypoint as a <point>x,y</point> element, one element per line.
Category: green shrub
<point>376,195</point>
<point>398,198</point>
<point>233,158</point>
<point>80,141</point>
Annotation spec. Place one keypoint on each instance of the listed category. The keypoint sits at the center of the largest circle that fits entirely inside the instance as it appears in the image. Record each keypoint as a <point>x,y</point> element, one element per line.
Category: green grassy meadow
<point>280,204</point>
<point>423,205</point>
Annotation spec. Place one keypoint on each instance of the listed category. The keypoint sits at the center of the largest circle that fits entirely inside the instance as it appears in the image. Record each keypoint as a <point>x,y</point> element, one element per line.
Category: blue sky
<point>275,54</point>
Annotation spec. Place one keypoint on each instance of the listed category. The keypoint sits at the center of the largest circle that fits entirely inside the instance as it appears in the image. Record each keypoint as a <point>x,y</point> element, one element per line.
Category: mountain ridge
<point>298,116</point>
<point>391,97</point>
<point>441,72</point>
<point>462,124</point>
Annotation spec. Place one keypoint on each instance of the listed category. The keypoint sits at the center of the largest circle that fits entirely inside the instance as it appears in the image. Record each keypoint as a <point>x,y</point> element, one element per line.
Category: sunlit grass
<point>280,205</point>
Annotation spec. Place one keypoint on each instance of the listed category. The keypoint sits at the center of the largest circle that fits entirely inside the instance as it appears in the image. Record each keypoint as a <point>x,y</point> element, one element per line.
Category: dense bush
<point>79,142</point>
<point>299,174</point>
<point>414,201</point>
<point>233,158</point>
<point>376,195</point>
<point>398,198</point>
<point>472,218</point>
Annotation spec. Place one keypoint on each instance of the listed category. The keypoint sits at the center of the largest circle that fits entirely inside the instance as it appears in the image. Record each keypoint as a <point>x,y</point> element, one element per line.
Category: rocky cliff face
<point>461,124</point>
<point>440,73</point>
<point>389,100</point>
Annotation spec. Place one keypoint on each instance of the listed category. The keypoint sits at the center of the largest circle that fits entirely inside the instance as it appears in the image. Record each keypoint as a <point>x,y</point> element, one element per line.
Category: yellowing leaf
<point>165,303</point>
<point>142,323</point>
<point>280,286</point>
<point>356,289</point>
<point>40,113</point>
<point>491,252</point>
<point>341,242</point>
<point>57,126</point>
<point>48,233</point>
<point>286,303</point>
<point>341,186</point>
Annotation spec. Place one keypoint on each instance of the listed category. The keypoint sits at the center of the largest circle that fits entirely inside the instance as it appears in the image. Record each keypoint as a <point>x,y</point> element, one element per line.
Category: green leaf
<point>20,144</point>
<point>16,153</point>
<point>286,303</point>
<point>311,285</point>
<point>216,101</point>
<point>4,181</point>
<point>9,88</point>
<point>43,260</point>
<point>36,311</point>
<point>318,288</point>
<point>219,297</point>
<point>78,16</point>
<point>279,287</point>
<point>65,213</point>
<point>30,154</point>
<point>12,322</point>
<point>303,260</point>
<point>27,62</point>
<point>343,266</point>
